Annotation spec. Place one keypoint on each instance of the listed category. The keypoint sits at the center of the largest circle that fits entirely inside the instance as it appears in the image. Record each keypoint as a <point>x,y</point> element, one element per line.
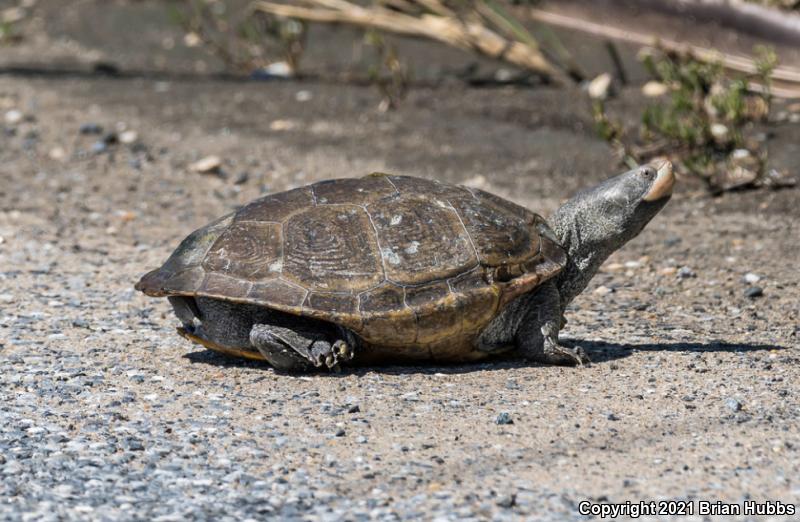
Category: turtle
<point>389,268</point>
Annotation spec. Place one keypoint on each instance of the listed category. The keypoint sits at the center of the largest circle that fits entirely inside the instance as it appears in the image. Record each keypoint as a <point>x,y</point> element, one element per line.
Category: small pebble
<point>720,132</point>
<point>13,117</point>
<point>90,128</point>
<point>685,272</point>
<point>603,290</point>
<point>506,501</point>
<point>57,153</point>
<point>280,125</point>
<point>303,96</point>
<point>653,89</point>
<point>128,137</point>
<point>751,278</point>
<point>191,39</point>
<point>740,154</point>
<point>476,181</point>
<point>504,418</point>
<point>600,87</point>
<point>753,292</point>
<point>207,165</point>
<point>733,405</point>
<point>273,70</point>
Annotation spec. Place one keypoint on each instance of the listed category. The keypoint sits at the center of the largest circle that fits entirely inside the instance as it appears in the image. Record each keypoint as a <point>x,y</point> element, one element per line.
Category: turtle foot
<point>298,349</point>
<point>569,356</point>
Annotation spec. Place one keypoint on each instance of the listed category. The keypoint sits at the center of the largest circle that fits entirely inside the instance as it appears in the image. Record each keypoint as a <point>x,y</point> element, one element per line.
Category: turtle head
<point>598,221</point>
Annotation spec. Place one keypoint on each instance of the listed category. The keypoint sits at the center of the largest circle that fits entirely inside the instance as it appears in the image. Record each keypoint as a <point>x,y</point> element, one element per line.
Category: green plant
<point>244,38</point>
<point>388,72</point>
<point>705,123</point>
<point>11,20</point>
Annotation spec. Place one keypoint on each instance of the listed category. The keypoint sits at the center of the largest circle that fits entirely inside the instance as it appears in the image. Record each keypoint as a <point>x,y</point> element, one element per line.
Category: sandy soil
<point>692,394</point>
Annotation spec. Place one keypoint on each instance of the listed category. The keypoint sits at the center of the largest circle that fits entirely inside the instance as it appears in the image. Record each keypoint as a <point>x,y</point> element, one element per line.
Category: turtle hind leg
<point>298,349</point>
<point>537,335</point>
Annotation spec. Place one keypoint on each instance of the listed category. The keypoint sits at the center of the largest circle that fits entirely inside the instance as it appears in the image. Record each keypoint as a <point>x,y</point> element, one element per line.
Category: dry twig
<point>436,22</point>
<point>788,79</point>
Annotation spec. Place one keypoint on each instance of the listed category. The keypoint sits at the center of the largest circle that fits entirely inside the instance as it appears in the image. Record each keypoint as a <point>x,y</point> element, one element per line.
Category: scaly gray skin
<point>590,226</point>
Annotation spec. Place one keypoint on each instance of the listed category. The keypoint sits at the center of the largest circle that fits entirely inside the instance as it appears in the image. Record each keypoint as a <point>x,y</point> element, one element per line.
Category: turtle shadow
<point>602,351</point>
<point>598,351</point>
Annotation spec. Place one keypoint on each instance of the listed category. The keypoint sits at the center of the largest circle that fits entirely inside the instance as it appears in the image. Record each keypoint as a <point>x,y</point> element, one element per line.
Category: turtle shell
<point>414,267</point>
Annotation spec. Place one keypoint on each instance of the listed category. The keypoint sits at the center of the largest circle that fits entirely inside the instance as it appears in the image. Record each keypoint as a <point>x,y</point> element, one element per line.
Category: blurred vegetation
<point>785,4</point>
<point>245,39</point>
<point>268,38</point>
<point>388,72</point>
<point>707,124</point>
<point>11,21</point>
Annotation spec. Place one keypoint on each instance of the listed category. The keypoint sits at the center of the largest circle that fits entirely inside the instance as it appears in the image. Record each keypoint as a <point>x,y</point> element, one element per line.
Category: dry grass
<point>481,26</point>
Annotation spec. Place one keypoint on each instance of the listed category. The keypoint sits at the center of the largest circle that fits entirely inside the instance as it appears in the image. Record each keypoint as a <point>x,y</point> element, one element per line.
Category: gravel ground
<point>108,415</point>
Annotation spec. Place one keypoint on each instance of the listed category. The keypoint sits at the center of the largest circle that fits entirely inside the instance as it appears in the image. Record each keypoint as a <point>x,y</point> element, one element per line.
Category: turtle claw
<point>554,353</point>
<point>577,354</point>
<point>329,356</point>
<point>342,350</point>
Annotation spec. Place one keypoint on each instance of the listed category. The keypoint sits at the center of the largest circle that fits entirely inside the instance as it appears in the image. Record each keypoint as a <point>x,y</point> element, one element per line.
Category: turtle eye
<point>648,172</point>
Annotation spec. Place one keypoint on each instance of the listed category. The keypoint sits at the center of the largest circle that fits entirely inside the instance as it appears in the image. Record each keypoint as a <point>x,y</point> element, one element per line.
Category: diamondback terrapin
<point>388,268</point>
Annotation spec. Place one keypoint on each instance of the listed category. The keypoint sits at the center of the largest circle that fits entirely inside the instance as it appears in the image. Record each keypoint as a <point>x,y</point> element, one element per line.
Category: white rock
<point>654,89</point>
<point>280,125</point>
<point>476,181</point>
<point>602,290</point>
<point>503,75</point>
<point>719,131</point>
<point>128,137</point>
<point>191,39</point>
<point>740,154</point>
<point>206,165</point>
<point>751,278</point>
<point>57,153</point>
<point>668,271</point>
<point>599,87</point>
<point>303,96</point>
<point>279,69</point>
<point>13,117</point>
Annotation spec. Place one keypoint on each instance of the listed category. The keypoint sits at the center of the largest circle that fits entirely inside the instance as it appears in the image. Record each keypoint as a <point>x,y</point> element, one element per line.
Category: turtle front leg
<point>296,350</point>
<point>537,335</point>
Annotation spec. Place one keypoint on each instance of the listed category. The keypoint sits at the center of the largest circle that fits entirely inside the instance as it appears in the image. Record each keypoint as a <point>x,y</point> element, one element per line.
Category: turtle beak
<point>665,180</point>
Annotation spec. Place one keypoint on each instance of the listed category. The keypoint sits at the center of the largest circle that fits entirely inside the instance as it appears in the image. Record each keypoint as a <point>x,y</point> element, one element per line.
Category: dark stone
<point>753,292</point>
<point>504,418</point>
<point>90,128</point>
